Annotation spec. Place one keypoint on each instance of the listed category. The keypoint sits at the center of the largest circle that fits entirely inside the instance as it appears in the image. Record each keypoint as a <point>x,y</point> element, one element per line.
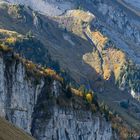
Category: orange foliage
<point>99,39</point>
<point>76,92</point>
<point>50,72</point>
<point>5,48</point>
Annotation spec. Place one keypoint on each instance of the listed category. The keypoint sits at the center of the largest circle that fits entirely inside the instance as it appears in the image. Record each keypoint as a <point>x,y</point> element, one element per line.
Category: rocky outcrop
<point>68,124</point>
<point>29,104</point>
<point>47,7</point>
<point>16,84</point>
<point>18,94</point>
<point>119,24</point>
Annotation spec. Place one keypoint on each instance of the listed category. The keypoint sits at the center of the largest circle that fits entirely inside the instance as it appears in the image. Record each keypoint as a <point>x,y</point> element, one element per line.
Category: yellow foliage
<point>30,65</point>
<point>89,97</point>
<point>5,48</point>
<point>75,19</point>
<point>107,74</point>
<point>122,128</point>
<point>57,77</point>
<point>99,39</point>
<point>11,40</point>
<point>117,59</point>
<point>7,32</point>
<point>50,72</point>
<point>93,60</point>
<point>76,92</point>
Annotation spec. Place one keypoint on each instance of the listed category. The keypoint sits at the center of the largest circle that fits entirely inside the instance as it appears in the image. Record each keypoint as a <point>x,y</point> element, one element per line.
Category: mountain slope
<point>10,132</point>
<point>53,38</point>
<point>47,7</point>
<point>99,49</point>
<point>37,100</point>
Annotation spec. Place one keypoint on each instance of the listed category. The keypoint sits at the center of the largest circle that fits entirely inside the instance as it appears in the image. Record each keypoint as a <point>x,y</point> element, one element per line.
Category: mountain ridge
<point>97,44</point>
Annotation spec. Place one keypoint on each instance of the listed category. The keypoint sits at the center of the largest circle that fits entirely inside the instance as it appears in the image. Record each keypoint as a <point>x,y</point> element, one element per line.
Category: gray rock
<point>20,99</point>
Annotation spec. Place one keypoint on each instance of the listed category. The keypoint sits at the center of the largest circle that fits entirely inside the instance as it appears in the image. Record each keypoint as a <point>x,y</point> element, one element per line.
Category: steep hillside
<point>47,7</point>
<point>10,132</point>
<point>98,49</point>
<point>133,5</point>
<point>107,59</point>
<point>109,62</point>
<point>53,38</point>
<point>36,99</point>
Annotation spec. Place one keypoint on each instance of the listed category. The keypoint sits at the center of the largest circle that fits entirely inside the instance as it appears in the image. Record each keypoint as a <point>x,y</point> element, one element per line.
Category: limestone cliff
<point>87,49</point>
<point>28,103</point>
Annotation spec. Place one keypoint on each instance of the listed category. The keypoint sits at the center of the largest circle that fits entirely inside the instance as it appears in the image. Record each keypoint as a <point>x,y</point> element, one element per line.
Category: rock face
<point>134,3</point>
<point>18,95</point>
<point>48,7</point>
<point>119,23</point>
<point>114,15</point>
<point>66,124</point>
<point>28,105</point>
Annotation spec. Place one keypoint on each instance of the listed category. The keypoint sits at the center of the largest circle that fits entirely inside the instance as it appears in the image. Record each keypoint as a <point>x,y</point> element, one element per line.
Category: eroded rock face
<point>28,105</point>
<point>119,24</point>
<point>18,94</point>
<point>48,7</point>
<point>68,124</point>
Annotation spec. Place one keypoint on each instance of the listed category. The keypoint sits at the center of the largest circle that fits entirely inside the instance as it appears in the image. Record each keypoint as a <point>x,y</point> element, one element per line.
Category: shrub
<point>5,48</point>
<point>89,97</point>
<point>50,72</point>
<point>31,66</point>
<point>11,40</point>
<point>77,92</point>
